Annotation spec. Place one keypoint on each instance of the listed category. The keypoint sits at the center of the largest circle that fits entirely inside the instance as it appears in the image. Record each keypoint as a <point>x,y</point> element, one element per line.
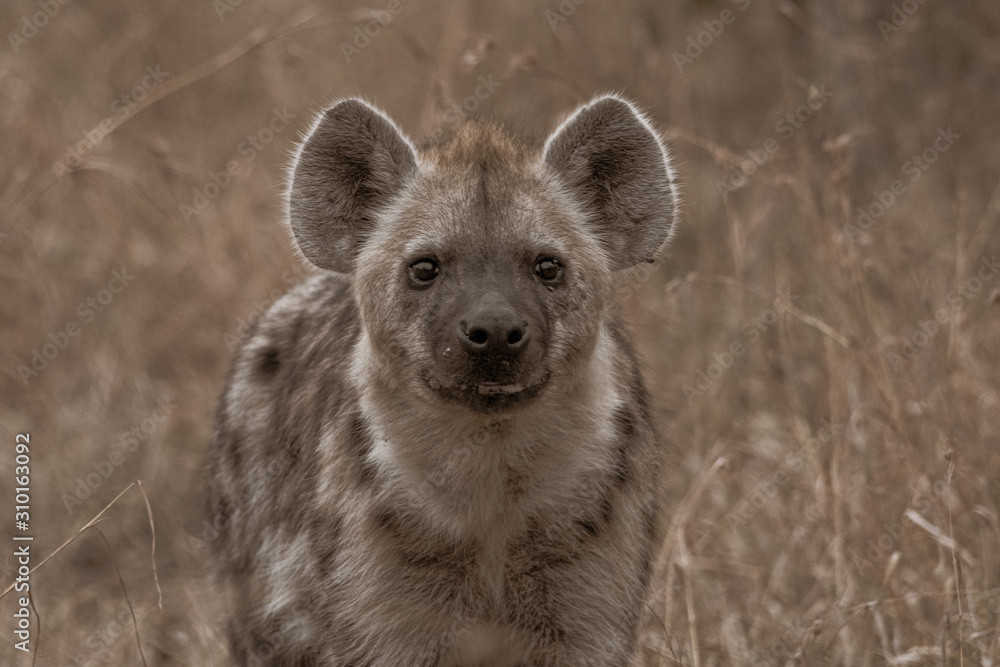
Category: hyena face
<point>481,267</point>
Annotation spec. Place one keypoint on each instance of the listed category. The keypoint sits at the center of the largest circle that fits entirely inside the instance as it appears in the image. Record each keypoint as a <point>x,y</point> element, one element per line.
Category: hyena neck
<point>471,468</point>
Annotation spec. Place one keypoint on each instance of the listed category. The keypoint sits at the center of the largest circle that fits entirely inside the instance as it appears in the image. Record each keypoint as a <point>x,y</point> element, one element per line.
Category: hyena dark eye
<point>423,271</point>
<point>548,269</point>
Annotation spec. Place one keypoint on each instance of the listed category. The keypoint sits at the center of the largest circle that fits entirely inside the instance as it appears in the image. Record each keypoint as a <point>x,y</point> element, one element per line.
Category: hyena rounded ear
<point>618,168</point>
<point>351,165</point>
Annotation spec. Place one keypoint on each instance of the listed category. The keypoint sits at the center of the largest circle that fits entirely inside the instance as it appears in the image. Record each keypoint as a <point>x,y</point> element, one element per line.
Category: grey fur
<point>379,505</point>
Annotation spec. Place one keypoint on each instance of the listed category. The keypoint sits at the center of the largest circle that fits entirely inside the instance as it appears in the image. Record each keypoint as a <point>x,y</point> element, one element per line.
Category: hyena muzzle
<point>438,450</point>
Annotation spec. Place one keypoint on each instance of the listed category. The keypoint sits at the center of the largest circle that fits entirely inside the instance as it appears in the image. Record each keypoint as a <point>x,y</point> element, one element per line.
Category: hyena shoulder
<point>287,383</point>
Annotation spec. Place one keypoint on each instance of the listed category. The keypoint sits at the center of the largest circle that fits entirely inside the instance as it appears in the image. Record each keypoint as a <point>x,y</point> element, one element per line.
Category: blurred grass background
<point>834,482</point>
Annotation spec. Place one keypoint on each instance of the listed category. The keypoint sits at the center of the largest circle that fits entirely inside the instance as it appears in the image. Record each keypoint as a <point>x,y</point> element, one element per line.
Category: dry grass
<point>834,504</point>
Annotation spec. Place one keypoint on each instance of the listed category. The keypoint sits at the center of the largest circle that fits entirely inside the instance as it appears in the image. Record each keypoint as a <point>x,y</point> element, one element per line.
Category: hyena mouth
<point>489,396</point>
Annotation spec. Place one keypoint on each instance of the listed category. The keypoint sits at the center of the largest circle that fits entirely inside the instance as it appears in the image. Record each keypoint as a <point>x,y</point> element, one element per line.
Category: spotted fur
<point>376,511</point>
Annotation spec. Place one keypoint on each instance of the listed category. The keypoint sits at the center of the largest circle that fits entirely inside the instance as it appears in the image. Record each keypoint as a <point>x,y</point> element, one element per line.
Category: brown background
<point>784,543</point>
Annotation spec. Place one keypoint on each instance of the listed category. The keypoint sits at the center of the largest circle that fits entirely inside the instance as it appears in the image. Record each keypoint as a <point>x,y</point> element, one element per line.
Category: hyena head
<point>482,268</point>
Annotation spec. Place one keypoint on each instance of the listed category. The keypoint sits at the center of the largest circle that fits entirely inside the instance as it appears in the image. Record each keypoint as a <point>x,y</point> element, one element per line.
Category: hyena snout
<point>492,327</point>
<point>490,352</point>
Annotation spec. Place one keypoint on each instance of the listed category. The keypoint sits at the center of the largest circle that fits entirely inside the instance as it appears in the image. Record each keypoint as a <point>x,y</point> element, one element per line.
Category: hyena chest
<point>487,629</point>
<point>480,597</point>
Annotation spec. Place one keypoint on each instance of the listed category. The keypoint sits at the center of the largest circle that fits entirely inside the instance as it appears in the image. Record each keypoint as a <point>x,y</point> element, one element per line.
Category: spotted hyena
<point>438,451</point>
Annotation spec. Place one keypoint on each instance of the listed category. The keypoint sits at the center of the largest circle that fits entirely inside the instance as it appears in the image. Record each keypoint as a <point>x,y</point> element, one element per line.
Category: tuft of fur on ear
<point>352,164</point>
<point>615,164</point>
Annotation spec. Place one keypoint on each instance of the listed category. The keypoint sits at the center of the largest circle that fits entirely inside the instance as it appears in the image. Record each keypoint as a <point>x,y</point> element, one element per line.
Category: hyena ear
<point>351,165</point>
<point>617,166</point>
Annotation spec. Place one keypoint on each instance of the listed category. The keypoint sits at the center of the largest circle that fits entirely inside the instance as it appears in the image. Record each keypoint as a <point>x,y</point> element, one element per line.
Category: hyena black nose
<point>492,326</point>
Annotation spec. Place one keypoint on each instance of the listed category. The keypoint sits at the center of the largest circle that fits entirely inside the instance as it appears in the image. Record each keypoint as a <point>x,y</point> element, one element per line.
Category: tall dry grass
<point>834,483</point>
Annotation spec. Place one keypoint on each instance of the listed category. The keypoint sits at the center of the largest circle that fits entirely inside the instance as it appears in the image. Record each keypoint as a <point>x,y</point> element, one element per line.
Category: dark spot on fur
<point>549,632</point>
<point>223,513</point>
<point>359,444</point>
<point>265,642</point>
<point>651,523</point>
<point>389,521</point>
<point>456,558</point>
<point>606,510</point>
<point>535,550</point>
<point>626,423</point>
<point>595,521</point>
<point>514,483</point>
<point>588,526</point>
<point>528,601</point>
<point>408,535</point>
<point>232,444</point>
<point>622,470</point>
<point>325,540</point>
<point>268,363</point>
<point>621,473</point>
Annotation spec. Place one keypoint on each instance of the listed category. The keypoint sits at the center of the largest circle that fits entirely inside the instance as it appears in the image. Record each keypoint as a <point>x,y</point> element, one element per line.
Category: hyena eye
<point>548,269</point>
<point>424,270</point>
